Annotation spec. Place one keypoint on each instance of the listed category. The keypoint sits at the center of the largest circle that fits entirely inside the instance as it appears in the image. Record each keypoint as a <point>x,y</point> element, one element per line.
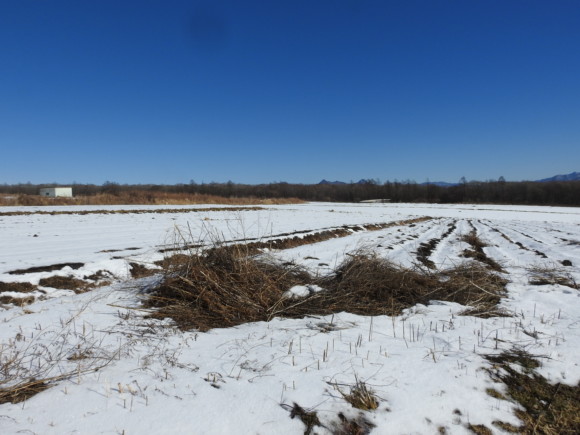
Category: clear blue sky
<point>261,91</point>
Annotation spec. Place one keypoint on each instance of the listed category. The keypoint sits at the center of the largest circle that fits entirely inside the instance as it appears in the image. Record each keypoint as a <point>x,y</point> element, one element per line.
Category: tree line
<point>565,193</point>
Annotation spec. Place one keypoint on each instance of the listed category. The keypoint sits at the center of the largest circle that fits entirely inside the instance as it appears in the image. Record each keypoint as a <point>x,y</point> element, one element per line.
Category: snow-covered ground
<point>137,375</point>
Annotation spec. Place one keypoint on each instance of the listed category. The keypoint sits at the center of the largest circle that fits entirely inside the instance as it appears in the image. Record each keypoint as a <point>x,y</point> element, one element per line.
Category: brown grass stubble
<point>551,409</point>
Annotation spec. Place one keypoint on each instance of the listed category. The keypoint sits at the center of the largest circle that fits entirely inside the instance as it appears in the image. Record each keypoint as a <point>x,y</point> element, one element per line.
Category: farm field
<point>81,353</point>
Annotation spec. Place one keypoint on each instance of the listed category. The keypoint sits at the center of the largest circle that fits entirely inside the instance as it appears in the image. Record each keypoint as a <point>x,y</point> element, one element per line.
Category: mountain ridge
<point>572,176</point>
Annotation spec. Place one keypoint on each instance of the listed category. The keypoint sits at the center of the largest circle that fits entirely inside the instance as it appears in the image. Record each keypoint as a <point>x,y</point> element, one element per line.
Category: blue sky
<point>262,91</point>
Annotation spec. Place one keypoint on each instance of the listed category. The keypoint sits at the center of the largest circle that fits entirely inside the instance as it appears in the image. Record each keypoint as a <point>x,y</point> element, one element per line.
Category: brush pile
<point>227,286</point>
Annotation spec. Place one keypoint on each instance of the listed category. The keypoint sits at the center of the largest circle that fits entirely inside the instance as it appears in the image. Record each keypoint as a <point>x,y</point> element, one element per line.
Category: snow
<point>138,375</point>
<point>300,291</point>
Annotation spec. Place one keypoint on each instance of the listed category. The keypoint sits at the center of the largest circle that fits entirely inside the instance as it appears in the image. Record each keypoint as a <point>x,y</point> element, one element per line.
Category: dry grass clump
<point>17,287</point>
<point>369,284</point>
<point>550,274</point>
<point>18,301</point>
<point>223,287</point>
<point>226,286</point>
<point>547,409</point>
<point>23,391</point>
<point>358,425</point>
<point>360,396</point>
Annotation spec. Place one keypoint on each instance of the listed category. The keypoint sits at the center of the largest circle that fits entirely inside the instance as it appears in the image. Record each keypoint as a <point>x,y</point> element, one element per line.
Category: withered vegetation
<point>18,301</point>
<point>551,274</point>
<point>226,286</point>
<point>360,396</point>
<point>551,409</point>
<point>23,391</point>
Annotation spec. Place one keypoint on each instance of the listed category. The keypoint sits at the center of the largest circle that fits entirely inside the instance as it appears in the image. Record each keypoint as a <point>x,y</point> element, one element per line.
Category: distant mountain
<point>361,181</point>
<point>331,182</point>
<point>574,176</point>
<point>439,183</point>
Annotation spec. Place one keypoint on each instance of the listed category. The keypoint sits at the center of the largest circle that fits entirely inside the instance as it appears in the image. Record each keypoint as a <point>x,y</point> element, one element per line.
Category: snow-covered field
<point>116,371</point>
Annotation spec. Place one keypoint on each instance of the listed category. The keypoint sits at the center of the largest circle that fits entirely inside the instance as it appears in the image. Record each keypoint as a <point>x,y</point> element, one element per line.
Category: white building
<point>376,201</point>
<point>53,192</point>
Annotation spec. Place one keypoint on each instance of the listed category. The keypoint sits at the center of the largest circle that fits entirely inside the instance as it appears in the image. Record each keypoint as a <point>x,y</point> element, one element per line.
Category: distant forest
<point>565,193</point>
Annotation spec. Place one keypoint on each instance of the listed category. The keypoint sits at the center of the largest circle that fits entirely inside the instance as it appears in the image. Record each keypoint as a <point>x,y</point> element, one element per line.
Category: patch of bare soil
<point>66,283</point>
<point>476,252</point>
<point>50,268</point>
<point>426,248</point>
<point>119,250</point>
<point>139,270</point>
<point>19,287</point>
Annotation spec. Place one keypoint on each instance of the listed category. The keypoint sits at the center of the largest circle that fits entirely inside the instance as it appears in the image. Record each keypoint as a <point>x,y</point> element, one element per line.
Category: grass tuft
<point>360,396</point>
<point>22,391</point>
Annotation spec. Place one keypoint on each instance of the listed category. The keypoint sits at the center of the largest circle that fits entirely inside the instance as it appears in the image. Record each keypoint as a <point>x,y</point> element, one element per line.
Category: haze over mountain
<point>573,176</point>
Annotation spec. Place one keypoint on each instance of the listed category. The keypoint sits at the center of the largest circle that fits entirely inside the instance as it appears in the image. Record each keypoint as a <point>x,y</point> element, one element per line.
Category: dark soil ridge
<point>17,287</point>
<point>425,249</point>
<point>283,241</point>
<point>477,252</point>
<point>518,244</point>
<point>139,211</point>
<point>50,268</point>
<point>321,236</point>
